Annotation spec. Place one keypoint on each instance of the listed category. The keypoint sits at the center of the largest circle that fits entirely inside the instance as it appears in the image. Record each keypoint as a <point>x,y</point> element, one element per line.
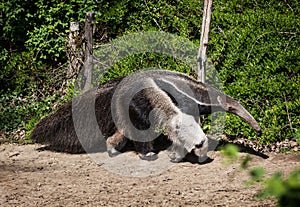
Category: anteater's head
<point>187,136</point>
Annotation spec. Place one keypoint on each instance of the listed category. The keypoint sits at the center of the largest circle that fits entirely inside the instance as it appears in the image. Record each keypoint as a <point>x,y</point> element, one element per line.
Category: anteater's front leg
<point>145,150</point>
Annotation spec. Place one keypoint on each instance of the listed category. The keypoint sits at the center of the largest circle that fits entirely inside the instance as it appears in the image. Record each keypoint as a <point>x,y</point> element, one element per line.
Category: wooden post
<point>74,52</point>
<point>88,47</point>
<point>207,11</point>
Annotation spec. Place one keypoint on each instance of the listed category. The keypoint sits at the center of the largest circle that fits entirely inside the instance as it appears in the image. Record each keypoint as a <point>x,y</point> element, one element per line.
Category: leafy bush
<point>254,45</point>
<point>230,152</point>
<point>285,190</point>
<point>33,58</point>
<point>255,48</point>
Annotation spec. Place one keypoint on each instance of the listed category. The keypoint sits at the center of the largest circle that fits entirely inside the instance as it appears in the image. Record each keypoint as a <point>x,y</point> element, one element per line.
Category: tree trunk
<point>88,46</point>
<point>74,51</point>
<point>207,11</point>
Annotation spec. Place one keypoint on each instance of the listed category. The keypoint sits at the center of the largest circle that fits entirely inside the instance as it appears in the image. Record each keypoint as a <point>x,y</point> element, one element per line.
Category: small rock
<point>294,144</point>
<point>286,145</point>
<point>13,154</point>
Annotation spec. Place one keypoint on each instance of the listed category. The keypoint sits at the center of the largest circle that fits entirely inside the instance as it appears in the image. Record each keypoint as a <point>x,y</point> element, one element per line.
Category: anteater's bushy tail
<point>58,131</point>
<point>89,114</point>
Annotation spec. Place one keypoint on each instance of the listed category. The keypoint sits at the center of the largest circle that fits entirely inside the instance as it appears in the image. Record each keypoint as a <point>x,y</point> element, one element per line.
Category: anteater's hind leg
<point>117,140</point>
<point>145,150</point>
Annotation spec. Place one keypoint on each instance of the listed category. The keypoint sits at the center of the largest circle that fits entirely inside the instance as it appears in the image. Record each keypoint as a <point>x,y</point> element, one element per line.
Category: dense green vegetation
<point>254,45</point>
<point>286,190</point>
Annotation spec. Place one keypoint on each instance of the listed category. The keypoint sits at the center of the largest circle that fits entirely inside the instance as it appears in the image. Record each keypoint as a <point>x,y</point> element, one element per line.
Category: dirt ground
<point>30,177</point>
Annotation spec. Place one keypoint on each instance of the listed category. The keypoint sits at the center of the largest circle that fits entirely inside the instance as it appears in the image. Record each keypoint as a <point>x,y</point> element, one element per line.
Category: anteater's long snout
<point>236,108</point>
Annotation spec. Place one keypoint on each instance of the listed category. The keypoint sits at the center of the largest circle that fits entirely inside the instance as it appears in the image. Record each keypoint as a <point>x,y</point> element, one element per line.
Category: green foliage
<point>230,152</point>
<point>135,63</point>
<point>50,24</point>
<point>24,111</point>
<point>257,174</point>
<point>287,191</point>
<point>256,50</point>
<point>32,58</point>
<point>254,45</point>
<point>34,35</point>
<point>245,162</point>
<point>297,136</point>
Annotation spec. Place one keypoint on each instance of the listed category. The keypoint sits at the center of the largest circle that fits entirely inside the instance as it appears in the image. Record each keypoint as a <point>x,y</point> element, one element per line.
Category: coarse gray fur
<point>169,100</point>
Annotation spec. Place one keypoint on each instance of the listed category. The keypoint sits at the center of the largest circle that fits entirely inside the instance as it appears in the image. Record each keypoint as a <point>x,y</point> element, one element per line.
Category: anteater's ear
<point>221,100</point>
